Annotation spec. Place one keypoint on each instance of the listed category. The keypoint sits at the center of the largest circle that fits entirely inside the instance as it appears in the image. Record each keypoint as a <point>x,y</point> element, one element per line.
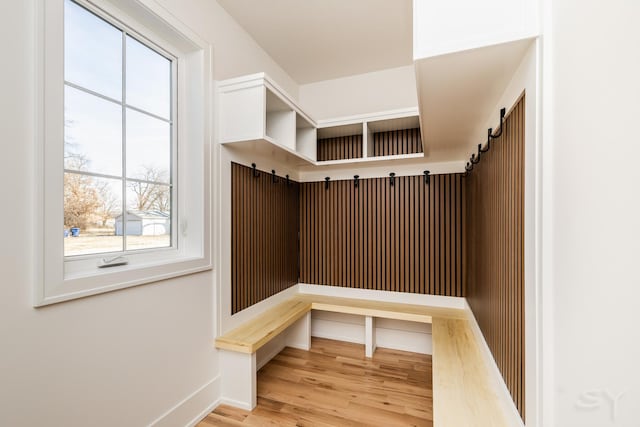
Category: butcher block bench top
<point>256,332</point>
<point>463,393</point>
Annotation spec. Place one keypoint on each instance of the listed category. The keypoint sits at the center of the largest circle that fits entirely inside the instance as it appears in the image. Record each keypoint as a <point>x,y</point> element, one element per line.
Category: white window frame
<point>59,279</point>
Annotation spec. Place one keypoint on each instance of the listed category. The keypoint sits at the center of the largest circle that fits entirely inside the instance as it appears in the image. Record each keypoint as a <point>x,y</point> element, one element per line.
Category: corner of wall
<point>200,402</point>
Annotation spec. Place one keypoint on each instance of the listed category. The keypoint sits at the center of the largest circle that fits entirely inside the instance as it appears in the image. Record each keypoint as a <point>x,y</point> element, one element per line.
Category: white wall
<point>236,52</point>
<point>591,112</point>
<point>125,358</point>
<point>389,89</point>
<point>442,27</point>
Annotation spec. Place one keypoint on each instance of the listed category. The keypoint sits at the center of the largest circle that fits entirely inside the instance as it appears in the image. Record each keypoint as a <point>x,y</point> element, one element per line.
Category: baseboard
<point>387,296</point>
<point>204,413</point>
<point>235,403</point>
<point>201,402</point>
<point>508,406</point>
<point>336,337</point>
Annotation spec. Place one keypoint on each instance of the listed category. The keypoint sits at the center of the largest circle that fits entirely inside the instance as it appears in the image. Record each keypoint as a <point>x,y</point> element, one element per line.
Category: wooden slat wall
<point>495,250</point>
<point>264,236</point>
<point>393,142</point>
<point>343,147</point>
<point>405,238</point>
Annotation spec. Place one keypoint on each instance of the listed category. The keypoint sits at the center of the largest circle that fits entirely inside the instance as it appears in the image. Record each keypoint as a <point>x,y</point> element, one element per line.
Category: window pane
<point>92,207</point>
<point>148,79</point>
<point>92,52</point>
<point>149,215</point>
<point>93,133</point>
<point>148,148</point>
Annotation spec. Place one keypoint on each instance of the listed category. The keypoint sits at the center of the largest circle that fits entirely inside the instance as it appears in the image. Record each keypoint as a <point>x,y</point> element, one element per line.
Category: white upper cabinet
<point>441,27</point>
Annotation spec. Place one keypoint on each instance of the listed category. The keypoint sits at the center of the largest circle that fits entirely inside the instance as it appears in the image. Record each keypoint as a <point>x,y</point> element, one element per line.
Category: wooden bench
<point>462,391</point>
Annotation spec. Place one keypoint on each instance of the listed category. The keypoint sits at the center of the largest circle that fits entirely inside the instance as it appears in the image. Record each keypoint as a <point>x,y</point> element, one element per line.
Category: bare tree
<point>81,200</point>
<point>150,194</point>
<point>109,203</point>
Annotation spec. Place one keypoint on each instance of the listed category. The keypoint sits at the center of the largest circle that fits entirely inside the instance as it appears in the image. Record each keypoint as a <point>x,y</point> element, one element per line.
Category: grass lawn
<point>100,240</point>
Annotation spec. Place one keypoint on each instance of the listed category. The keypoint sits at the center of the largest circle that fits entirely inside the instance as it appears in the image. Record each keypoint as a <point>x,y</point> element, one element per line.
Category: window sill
<point>83,284</point>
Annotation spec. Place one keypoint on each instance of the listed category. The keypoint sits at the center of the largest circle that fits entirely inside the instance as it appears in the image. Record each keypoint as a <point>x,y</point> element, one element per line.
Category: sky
<point>93,126</point>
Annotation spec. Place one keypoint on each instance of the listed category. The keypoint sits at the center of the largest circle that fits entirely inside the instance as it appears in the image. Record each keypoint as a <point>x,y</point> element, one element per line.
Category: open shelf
<point>280,121</point>
<point>398,123</point>
<point>370,159</point>
<point>403,125</point>
<point>340,130</point>
<point>399,136</point>
<point>305,137</point>
<point>256,116</point>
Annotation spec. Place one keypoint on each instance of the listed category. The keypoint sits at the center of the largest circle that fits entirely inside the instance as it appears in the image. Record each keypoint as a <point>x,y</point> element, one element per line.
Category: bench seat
<point>258,331</point>
<point>383,309</point>
<point>251,335</point>
<point>463,391</point>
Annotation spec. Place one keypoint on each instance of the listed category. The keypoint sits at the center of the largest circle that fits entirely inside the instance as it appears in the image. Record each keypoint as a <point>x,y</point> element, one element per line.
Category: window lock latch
<point>112,262</point>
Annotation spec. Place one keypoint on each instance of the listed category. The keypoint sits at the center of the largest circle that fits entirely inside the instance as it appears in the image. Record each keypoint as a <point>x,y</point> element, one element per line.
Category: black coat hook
<point>274,178</point>
<point>479,151</point>
<point>355,180</point>
<point>489,132</point>
<point>392,179</point>
<point>474,160</point>
<point>468,167</point>
<point>426,177</point>
<point>326,183</point>
<point>503,112</point>
<point>255,171</point>
<point>287,178</point>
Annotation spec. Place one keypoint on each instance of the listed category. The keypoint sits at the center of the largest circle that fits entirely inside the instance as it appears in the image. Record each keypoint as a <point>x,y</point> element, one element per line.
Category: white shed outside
<point>145,223</point>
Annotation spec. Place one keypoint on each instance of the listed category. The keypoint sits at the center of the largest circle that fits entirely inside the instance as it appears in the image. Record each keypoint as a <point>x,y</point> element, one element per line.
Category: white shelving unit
<point>367,125</point>
<point>305,137</point>
<point>258,116</point>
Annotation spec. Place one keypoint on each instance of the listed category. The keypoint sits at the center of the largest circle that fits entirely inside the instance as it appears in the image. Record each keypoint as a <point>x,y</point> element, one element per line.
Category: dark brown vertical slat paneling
<point>395,142</point>
<point>403,238</point>
<point>386,256</point>
<point>265,223</point>
<point>235,213</point>
<point>338,148</point>
<point>494,256</point>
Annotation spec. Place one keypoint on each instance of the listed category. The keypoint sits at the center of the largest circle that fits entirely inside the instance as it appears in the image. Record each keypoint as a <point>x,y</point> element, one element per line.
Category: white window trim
<point>58,280</point>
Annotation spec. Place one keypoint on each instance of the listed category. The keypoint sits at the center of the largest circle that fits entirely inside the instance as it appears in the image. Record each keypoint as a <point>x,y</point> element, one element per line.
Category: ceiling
<point>458,92</point>
<point>314,40</point>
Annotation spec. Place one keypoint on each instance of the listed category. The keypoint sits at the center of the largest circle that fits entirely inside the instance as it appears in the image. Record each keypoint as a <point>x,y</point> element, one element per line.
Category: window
<point>118,138</point>
<point>123,184</point>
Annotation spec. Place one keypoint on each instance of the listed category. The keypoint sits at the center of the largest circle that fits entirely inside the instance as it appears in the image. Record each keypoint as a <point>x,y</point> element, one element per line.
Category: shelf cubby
<point>341,142</point>
<point>306,134</point>
<point>393,137</point>
<point>257,116</point>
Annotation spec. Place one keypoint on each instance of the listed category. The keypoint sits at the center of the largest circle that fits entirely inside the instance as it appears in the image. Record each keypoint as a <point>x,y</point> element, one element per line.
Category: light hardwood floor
<point>335,385</point>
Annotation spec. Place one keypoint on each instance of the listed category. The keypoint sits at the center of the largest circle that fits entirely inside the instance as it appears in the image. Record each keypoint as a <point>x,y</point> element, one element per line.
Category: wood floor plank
<point>334,384</point>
